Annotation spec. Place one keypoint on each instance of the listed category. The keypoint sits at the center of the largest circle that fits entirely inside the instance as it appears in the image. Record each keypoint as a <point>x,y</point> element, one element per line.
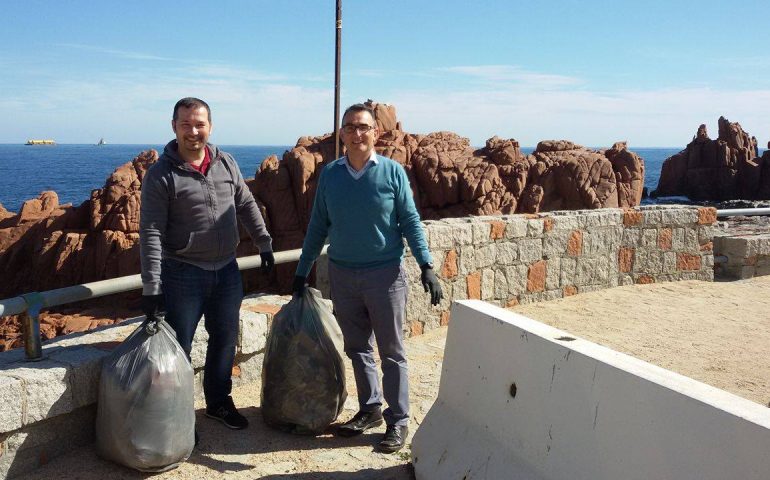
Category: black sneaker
<point>361,422</point>
<point>394,438</point>
<point>226,413</point>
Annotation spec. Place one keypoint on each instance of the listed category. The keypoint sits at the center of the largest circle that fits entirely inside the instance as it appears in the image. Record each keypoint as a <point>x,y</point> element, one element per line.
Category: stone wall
<point>48,407</point>
<point>512,259</point>
<point>746,255</point>
<point>504,260</point>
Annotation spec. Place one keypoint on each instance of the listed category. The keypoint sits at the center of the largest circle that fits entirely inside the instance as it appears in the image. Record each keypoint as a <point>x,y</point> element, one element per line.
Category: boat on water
<point>101,142</point>
<point>40,142</point>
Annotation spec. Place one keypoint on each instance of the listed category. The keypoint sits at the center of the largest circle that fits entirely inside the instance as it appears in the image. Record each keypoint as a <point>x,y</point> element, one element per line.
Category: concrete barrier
<point>521,400</point>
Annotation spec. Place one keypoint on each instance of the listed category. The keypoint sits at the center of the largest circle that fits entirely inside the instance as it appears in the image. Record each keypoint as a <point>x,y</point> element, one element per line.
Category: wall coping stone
<point>68,376</point>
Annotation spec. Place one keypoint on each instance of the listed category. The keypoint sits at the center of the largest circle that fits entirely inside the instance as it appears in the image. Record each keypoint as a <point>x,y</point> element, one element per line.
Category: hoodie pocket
<point>201,245</point>
<point>190,240</point>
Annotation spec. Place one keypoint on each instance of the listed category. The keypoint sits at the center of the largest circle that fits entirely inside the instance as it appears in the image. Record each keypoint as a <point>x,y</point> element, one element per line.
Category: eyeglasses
<point>361,129</point>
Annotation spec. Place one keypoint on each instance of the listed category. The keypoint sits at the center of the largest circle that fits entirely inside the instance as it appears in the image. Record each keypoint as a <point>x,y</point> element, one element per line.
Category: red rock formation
<point>54,324</point>
<point>570,177</point>
<point>48,246</point>
<point>629,174</point>
<point>450,179</point>
<point>723,169</point>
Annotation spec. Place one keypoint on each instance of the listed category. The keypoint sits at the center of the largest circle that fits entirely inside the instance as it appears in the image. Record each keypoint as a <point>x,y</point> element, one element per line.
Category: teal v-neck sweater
<point>365,219</point>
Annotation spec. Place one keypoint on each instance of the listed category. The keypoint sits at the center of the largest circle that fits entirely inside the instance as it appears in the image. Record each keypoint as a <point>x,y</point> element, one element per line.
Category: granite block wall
<point>514,259</point>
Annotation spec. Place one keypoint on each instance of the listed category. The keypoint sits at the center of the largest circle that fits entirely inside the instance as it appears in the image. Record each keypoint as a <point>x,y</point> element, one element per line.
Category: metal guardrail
<point>30,304</point>
<point>734,212</point>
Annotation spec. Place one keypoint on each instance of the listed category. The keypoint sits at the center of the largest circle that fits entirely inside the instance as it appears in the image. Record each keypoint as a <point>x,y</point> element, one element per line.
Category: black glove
<point>430,283</point>
<point>153,306</point>
<point>299,286</point>
<point>268,261</point>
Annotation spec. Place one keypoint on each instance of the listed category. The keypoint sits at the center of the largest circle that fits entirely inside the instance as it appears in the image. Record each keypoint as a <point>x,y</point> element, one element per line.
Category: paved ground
<point>680,326</point>
<point>717,333</point>
<point>260,452</point>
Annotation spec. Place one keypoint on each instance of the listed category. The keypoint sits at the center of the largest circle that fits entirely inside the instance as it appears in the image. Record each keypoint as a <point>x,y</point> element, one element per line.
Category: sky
<point>590,71</point>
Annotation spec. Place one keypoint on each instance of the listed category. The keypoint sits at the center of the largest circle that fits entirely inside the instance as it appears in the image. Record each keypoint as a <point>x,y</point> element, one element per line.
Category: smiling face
<point>359,143</point>
<point>192,128</point>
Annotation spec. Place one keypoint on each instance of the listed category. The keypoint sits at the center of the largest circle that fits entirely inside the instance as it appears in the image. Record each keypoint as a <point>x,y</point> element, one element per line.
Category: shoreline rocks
<point>728,168</point>
<point>47,245</point>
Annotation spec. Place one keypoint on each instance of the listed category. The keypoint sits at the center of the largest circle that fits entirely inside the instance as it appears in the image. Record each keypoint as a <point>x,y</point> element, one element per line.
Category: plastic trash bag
<point>303,374</point>
<point>145,415</point>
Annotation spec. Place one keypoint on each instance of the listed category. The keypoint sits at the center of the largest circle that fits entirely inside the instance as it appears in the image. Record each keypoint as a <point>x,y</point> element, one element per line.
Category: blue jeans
<point>191,292</point>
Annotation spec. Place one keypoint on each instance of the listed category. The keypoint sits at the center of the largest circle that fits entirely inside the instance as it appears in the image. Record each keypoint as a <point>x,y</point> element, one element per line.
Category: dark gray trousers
<point>371,304</point>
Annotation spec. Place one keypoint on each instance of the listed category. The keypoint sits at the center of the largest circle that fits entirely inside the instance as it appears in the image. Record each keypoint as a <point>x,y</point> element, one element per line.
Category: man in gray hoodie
<point>188,233</point>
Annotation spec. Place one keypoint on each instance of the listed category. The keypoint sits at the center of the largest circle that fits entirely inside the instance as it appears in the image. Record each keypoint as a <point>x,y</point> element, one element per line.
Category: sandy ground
<point>260,452</point>
<point>718,333</point>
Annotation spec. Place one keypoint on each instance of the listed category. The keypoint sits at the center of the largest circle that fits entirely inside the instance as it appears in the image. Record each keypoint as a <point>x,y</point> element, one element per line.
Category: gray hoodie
<point>190,217</point>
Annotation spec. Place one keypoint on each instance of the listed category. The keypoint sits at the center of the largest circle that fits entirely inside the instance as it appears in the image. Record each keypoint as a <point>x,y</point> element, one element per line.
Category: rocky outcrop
<point>727,168</point>
<point>63,322</point>
<point>451,179</point>
<point>47,245</point>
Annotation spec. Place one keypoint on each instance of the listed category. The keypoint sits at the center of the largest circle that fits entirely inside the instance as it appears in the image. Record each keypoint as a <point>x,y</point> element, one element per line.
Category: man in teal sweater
<point>364,206</point>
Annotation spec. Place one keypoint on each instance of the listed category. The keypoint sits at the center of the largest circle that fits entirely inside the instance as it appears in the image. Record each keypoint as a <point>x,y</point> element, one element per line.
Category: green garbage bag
<point>303,374</point>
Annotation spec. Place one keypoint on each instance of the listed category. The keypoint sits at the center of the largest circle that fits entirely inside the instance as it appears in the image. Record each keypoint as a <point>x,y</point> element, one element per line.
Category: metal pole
<point>337,50</point>
<point>30,320</point>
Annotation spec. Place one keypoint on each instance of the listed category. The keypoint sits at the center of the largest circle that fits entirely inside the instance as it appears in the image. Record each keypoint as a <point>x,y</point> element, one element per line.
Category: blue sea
<point>74,170</point>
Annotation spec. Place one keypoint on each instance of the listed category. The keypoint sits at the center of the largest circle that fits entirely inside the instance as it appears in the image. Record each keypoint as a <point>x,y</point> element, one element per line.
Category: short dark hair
<point>190,102</point>
<point>360,107</point>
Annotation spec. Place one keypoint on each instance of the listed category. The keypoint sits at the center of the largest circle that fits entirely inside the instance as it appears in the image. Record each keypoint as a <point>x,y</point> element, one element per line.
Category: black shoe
<point>226,413</point>
<point>361,422</point>
<point>197,438</point>
<point>394,438</point>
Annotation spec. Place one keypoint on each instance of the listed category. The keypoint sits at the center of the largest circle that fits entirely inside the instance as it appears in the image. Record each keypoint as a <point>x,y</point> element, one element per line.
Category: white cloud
<point>667,117</point>
<point>115,53</point>
<point>513,74</point>
<point>136,108</point>
<point>252,107</point>
<point>531,106</point>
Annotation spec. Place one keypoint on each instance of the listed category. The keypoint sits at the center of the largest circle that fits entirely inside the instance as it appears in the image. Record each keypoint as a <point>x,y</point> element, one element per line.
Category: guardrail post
<point>30,319</point>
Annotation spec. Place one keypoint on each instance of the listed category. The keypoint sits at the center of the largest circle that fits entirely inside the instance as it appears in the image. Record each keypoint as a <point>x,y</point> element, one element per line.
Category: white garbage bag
<point>145,414</point>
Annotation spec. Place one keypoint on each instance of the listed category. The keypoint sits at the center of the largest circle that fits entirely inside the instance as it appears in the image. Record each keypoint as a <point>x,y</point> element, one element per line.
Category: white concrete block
<point>521,400</point>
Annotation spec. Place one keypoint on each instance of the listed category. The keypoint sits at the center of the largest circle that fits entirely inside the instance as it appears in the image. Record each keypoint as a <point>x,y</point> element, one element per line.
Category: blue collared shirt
<point>356,174</point>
